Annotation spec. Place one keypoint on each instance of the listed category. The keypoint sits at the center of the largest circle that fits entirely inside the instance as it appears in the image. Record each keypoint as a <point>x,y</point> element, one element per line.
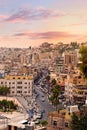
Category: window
<point>66,124</point>
<point>25,82</point>
<point>20,82</point>
<point>55,123</point>
<point>13,83</point>
<point>1,82</point>
<point>19,91</point>
<point>19,87</point>
<point>85,93</point>
<point>13,77</point>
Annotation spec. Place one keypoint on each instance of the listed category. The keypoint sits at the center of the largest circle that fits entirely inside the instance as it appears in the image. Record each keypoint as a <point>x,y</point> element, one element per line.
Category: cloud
<point>76,24</point>
<point>46,35</point>
<point>33,14</point>
<point>3,16</point>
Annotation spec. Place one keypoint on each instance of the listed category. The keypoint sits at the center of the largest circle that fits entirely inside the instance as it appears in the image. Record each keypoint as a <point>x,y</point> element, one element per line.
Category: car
<point>43,99</point>
<point>42,111</point>
<point>39,116</point>
<point>37,121</point>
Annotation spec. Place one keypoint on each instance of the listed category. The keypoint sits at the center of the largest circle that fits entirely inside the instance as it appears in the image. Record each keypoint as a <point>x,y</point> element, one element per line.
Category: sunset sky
<point>32,22</point>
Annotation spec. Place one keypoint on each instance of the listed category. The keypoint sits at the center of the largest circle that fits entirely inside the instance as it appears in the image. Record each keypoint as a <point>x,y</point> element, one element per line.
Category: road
<point>43,105</point>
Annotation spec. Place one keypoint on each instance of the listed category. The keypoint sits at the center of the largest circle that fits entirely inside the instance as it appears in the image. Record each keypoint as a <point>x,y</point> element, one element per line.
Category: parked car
<point>37,121</point>
<point>39,116</point>
<point>43,99</point>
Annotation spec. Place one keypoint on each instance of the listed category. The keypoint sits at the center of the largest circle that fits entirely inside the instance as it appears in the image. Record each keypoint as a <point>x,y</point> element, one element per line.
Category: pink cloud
<point>45,35</point>
<point>34,14</point>
<point>76,24</point>
<point>2,17</point>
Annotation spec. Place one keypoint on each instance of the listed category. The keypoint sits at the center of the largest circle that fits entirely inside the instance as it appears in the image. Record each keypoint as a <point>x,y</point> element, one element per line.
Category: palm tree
<point>54,97</point>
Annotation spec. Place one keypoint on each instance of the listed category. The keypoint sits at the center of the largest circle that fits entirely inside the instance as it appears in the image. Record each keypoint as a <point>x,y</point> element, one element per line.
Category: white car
<point>43,99</point>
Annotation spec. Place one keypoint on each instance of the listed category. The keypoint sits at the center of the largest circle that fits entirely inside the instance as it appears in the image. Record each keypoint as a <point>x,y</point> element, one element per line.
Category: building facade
<point>76,89</point>
<point>70,58</point>
<point>59,120</point>
<point>18,85</point>
<point>60,64</point>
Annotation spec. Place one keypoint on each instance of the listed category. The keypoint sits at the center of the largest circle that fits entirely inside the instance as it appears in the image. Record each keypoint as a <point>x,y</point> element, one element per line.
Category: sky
<point>25,23</point>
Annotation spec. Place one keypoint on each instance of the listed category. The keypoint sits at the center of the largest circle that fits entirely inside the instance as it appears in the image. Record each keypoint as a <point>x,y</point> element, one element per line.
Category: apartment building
<point>76,89</point>
<point>60,64</point>
<point>80,90</point>
<point>69,88</point>
<point>70,58</point>
<point>19,85</point>
<point>59,120</point>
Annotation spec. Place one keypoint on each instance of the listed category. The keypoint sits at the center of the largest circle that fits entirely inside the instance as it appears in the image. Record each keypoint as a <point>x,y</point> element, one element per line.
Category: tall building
<point>23,59</point>
<point>60,64</point>
<point>35,58</point>
<point>70,58</point>
<point>76,89</point>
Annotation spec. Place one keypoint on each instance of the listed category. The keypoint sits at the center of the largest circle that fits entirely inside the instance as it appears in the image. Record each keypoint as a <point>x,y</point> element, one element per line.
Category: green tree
<point>44,122</point>
<point>54,96</point>
<point>83,66</point>
<point>79,122</point>
<point>53,82</point>
<point>75,122</point>
<point>4,90</point>
<point>7,105</point>
<point>48,78</point>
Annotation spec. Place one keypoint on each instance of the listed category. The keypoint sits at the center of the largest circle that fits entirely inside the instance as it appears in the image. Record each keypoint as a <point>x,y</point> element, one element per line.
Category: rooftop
<point>30,77</point>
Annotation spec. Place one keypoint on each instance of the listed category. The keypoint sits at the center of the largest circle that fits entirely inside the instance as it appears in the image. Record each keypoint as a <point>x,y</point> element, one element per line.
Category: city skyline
<point>32,22</point>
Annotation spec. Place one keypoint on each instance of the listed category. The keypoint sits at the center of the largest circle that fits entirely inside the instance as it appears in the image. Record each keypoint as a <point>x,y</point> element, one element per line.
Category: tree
<point>74,45</point>
<point>83,66</point>
<point>48,78</point>
<point>44,122</point>
<point>54,97</point>
<point>7,105</point>
<point>79,122</point>
<point>53,82</point>
<point>74,122</point>
<point>4,90</point>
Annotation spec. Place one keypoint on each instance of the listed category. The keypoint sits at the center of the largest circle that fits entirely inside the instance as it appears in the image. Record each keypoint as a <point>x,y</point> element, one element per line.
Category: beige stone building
<point>70,58</point>
<point>76,89</point>
<point>59,120</point>
<point>19,85</point>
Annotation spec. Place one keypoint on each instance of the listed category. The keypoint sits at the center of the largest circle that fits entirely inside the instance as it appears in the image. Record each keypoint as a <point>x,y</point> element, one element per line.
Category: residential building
<point>19,85</point>
<point>70,58</point>
<point>76,89</point>
<point>60,64</point>
<point>59,120</point>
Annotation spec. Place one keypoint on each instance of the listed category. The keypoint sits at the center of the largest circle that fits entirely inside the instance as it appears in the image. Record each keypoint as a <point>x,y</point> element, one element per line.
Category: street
<point>45,106</point>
